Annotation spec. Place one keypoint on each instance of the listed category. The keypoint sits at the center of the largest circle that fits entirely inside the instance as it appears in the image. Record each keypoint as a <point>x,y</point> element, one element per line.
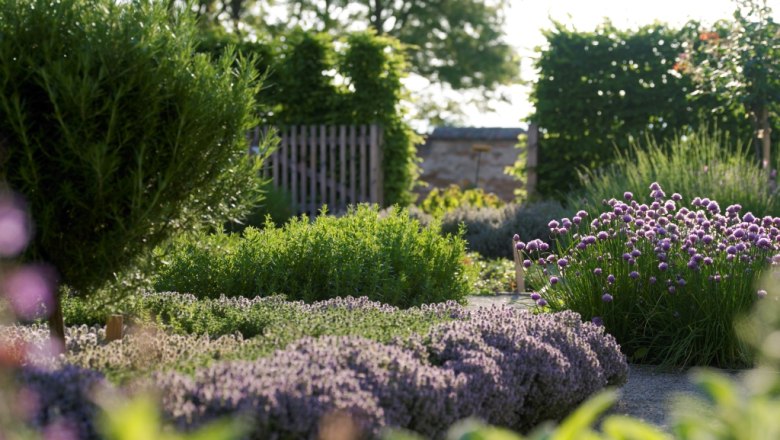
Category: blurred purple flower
<point>761,293</point>
<point>29,288</point>
<point>526,263</point>
<point>582,214</point>
<point>516,237</point>
<point>553,224</point>
<point>543,246</point>
<point>14,228</point>
<point>663,266</point>
<point>606,297</point>
<point>652,280</point>
<point>610,278</point>
<point>519,245</point>
<point>553,280</point>
<point>596,320</point>
<point>676,197</point>
<point>563,262</point>
<point>535,296</point>
<point>634,274</point>
<point>672,289</point>
<point>627,195</point>
<point>602,235</point>
<point>597,271</point>
<point>541,303</point>
<point>655,186</point>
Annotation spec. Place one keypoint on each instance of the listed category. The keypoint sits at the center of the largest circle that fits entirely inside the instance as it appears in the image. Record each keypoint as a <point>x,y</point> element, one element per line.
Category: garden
<point>155,285</point>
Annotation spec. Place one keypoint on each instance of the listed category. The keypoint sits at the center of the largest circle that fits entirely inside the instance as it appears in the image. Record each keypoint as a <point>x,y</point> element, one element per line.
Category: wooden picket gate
<point>333,165</point>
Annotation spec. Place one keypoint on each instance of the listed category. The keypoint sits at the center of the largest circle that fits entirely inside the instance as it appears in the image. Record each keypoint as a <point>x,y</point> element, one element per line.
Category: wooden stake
<point>518,269</point>
<point>114,328</point>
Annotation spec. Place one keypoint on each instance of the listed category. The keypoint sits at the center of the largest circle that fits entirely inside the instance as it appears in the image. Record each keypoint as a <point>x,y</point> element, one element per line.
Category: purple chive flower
<point>627,195</point>
<point>707,261</point>
<point>636,253</point>
<point>553,280</point>
<point>516,238</point>
<point>543,246</point>
<point>553,224</point>
<point>541,303</point>
<point>597,271</point>
<point>763,243</point>
<point>731,250</point>
<point>739,233</point>
<point>610,278</point>
<point>526,263</point>
<point>576,220</point>
<point>655,186</point>
<point>606,297</point>
<point>652,280</point>
<point>692,264</point>
<point>672,289</point>
<point>563,262</point>
<point>602,235</point>
<point>626,256</point>
<point>627,218</point>
<point>749,217</point>
<point>761,293</point>
<point>582,214</point>
<point>532,245</point>
<point>634,274</point>
<point>663,266</point>
<point>596,320</point>
<point>676,197</point>
<point>681,282</point>
<point>535,296</point>
<point>519,245</point>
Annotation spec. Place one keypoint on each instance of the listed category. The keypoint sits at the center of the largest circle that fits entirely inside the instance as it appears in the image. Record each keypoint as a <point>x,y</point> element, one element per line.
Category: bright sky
<point>526,18</point>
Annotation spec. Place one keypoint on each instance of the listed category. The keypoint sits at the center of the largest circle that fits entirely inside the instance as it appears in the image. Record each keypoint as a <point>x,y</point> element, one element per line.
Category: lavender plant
<point>506,366</point>
<point>667,280</point>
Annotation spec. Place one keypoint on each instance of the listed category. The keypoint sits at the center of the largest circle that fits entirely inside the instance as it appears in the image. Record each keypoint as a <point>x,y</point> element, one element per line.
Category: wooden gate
<point>333,165</point>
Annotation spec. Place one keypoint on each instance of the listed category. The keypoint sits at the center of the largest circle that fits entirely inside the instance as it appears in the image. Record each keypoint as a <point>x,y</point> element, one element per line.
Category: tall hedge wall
<point>597,89</point>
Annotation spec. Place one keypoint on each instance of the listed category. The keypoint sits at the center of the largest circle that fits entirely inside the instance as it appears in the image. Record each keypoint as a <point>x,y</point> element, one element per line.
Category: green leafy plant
<point>701,164</point>
<point>440,201</point>
<point>390,259</point>
<point>116,133</point>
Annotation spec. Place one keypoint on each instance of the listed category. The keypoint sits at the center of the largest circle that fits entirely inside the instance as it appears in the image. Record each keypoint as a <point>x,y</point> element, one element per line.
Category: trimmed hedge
<point>390,259</point>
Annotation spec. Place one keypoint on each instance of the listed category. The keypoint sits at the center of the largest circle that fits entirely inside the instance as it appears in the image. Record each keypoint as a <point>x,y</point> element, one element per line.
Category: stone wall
<point>454,161</point>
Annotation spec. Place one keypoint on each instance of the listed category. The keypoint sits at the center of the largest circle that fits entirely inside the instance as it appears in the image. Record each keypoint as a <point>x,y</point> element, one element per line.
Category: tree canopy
<point>455,43</point>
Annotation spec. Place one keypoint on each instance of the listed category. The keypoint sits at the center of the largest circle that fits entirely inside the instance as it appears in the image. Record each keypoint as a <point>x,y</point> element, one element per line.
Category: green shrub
<point>697,164</point>
<point>388,259</point>
<point>489,231</point>
<point>115,132</point>
<point>666,278</point>
<point>277,203</point>
<point>440,201</point>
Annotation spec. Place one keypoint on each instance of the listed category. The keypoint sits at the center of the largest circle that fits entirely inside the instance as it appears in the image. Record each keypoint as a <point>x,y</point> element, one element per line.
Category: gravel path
<point>647,394</point>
